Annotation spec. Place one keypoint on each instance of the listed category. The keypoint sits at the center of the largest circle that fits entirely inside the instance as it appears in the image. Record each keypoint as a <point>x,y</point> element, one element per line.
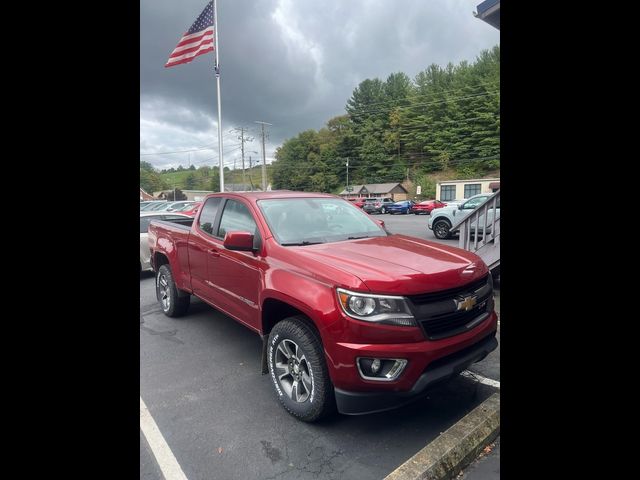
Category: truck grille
<point>438,315</point>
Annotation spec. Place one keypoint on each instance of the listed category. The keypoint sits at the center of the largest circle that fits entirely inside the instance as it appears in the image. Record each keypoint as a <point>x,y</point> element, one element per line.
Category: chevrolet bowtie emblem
<point>465,303</point>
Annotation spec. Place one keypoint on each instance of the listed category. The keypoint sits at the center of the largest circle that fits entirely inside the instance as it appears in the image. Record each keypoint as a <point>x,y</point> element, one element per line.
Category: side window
<point>471,204</point>
<point>208,215</point>
<point>236,218</point>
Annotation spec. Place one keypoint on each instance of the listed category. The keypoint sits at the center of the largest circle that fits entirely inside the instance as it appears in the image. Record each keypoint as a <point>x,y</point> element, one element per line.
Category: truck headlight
<point>384,309</point>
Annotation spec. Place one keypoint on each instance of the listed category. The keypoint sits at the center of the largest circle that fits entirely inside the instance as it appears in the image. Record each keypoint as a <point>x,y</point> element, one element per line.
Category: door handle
<point>214,252</point>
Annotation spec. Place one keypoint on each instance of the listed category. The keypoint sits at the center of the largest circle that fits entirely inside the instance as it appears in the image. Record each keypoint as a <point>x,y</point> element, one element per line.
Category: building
<point>489,11</point>
<point>196,195</point>
<point>144,196</point>
<point>393,190</point>
<point>458,189</point>
<point>241,187</point>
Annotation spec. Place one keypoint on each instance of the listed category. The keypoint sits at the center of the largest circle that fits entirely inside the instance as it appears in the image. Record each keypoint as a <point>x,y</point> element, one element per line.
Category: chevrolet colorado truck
<point>352,317</point>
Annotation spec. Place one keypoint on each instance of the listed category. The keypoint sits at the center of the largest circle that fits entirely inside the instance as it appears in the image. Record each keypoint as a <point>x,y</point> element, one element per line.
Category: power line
<point>196,149</point>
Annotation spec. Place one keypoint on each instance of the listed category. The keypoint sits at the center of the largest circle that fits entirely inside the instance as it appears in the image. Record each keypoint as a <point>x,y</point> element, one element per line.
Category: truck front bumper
<point>358,403</point>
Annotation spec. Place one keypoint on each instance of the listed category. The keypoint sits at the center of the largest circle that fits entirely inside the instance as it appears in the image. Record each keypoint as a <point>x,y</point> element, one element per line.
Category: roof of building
<point>489,11</point>
<point>470,180</point>
<point>373,188</point>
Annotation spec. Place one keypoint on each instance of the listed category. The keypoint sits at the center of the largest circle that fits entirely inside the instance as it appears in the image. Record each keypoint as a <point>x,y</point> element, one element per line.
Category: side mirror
<point>379,222</point>
<point>242,241</point>
<point>460,207</point>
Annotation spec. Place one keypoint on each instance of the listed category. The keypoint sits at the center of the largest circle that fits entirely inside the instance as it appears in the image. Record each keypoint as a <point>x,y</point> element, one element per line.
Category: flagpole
<point>217,71</point>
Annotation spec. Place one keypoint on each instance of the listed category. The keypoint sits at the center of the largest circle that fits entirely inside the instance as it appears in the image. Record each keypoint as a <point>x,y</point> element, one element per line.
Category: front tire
<point>442,229</point>
<point>173,302</point>
<point>383,210</point>
<point>298,370</point>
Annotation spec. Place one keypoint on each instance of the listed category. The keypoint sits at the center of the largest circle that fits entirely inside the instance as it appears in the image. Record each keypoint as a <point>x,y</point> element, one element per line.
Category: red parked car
<point>191,209</point>
<point>358,202</point>
<point>351,316</point>
<point>425,208</point>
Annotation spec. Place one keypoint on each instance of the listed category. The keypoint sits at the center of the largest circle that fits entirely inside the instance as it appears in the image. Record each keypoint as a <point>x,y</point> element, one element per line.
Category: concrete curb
<point>456,448</point>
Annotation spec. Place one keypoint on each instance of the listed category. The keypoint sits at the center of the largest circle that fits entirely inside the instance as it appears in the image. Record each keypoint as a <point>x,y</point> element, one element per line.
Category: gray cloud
<point>292,63</point>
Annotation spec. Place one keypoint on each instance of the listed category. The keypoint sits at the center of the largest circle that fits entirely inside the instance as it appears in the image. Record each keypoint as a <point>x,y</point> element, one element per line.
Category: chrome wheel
<point>293,371</point>
<point>164,293</point>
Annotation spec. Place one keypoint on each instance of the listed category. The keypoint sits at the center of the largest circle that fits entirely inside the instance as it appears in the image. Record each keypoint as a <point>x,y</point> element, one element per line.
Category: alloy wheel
<point>293,371</point>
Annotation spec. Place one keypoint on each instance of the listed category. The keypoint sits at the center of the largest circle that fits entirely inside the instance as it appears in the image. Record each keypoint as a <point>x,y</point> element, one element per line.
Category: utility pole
<point>264,159</point>
<point>242,140</point>
<point>347,164</point>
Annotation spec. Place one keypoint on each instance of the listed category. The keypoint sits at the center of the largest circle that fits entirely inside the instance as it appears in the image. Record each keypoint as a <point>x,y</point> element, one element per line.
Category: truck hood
<point>399,264</point>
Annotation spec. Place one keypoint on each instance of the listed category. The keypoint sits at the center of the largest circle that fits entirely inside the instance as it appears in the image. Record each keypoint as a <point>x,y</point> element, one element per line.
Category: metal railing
<point>484,221</point>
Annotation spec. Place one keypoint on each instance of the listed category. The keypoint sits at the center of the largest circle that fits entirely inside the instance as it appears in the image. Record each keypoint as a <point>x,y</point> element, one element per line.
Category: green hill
<point>206,178</point>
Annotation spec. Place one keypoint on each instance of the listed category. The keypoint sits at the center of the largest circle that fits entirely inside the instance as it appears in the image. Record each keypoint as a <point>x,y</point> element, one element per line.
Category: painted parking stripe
<point>481,379</point>
<point>164,456</point>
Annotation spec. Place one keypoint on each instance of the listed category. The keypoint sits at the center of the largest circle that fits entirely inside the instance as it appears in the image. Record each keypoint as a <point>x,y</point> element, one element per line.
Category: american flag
<point>197,40</point>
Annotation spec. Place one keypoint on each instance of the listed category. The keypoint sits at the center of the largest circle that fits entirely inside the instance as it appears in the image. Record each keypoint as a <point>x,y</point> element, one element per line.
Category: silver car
<point>145,219</point>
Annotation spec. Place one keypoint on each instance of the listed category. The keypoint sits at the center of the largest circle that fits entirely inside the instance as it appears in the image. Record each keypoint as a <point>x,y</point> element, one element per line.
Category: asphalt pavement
<point>200,379</point>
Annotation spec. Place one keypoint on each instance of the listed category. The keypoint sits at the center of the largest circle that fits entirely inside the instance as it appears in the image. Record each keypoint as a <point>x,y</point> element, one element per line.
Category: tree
<point>446,118</point>
<point>214,184</point>
<point>191,181</point>
<point>146,166</point>
<point>175,195</point>
<point>151,181</point>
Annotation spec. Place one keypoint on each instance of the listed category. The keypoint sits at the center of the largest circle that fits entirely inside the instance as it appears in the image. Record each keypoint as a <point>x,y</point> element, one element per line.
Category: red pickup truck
<point>352,317</point>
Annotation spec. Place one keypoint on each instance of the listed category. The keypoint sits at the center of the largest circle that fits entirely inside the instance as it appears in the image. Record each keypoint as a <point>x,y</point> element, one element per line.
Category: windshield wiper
<point>304,242</point>
<point>356,238</point>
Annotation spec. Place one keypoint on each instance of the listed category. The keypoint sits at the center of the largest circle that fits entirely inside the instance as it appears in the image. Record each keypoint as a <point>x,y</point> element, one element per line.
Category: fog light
<point>380,369</point>
<point>375,366</point>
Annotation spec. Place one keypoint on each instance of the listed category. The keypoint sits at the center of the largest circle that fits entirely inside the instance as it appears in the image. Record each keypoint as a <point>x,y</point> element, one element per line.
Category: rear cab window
<point>207,219</point>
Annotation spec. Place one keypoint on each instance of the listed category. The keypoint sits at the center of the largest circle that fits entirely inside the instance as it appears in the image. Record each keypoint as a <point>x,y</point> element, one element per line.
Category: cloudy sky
<point>291,63</point>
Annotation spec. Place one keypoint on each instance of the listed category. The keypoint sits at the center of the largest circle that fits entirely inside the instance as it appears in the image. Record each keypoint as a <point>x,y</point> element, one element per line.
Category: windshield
<point>182,208</point>
<point>158,207</point>
<point>305,221</point>
<point>147,206</point>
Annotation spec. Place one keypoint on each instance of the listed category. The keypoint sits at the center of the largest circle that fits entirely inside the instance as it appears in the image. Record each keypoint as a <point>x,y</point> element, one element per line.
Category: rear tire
<point>298,370</point>
<point>174,303</point>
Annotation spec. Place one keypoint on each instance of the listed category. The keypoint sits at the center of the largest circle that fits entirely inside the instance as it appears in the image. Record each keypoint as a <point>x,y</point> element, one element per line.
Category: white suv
<point>441,219</point>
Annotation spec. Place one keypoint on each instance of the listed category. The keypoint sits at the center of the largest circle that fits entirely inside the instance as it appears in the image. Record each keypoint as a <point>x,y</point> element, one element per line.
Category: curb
<point>456,448</point>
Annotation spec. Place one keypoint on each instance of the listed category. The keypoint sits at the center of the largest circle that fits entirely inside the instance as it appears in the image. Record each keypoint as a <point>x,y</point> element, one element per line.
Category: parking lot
<point>200,379</point>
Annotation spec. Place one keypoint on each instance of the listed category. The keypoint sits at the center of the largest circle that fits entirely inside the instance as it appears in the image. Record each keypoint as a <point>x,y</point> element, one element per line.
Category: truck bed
<point>183,223</point>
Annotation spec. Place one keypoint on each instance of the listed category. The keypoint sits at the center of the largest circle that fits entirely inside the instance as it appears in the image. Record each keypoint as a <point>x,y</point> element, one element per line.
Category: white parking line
<point>164,456</point>
<point>481,379</point>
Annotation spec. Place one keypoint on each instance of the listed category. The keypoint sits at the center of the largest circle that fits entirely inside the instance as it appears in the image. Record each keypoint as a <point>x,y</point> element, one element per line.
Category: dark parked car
<point>400,207</point>
<point>377,205</point>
